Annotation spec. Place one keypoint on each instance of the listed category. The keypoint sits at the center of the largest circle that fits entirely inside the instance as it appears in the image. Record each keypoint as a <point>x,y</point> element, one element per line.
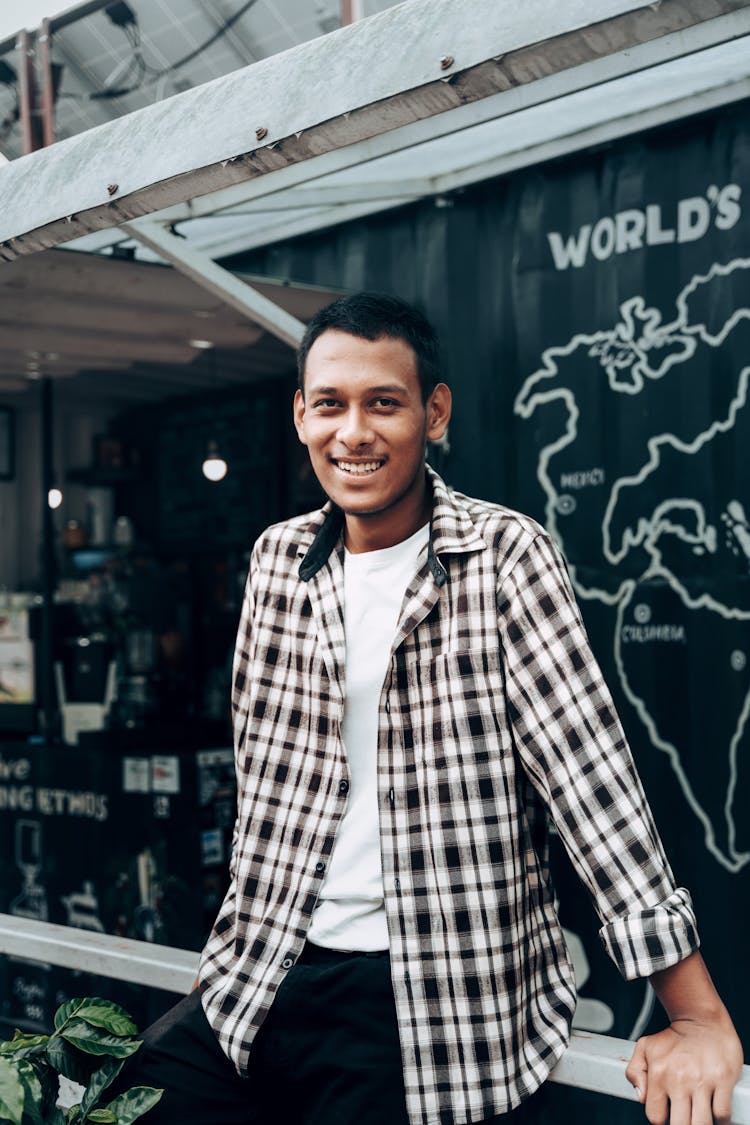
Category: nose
<point>355,429</point>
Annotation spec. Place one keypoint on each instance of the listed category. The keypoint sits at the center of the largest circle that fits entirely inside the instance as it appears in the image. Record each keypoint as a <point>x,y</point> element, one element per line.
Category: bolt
<point>446,62</point>
<point>112,188</point>
<point>261,133</point>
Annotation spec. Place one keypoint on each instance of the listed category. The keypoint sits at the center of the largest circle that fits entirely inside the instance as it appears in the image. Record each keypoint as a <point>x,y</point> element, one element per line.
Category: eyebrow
<point>391,389</point>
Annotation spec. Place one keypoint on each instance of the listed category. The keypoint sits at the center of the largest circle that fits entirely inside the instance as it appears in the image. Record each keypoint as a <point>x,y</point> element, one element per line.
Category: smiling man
<point>366,418</point>
<point>414,696</point>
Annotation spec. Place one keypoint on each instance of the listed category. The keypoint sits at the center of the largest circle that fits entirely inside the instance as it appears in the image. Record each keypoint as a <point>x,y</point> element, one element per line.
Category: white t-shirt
<point>350,912</point>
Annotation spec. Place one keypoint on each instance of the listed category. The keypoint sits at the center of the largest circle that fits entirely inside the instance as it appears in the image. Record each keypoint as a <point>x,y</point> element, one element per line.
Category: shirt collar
<point>452,531</point>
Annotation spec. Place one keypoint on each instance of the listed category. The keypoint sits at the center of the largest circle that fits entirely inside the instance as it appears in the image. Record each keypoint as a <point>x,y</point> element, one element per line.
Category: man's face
<point>365,425</point>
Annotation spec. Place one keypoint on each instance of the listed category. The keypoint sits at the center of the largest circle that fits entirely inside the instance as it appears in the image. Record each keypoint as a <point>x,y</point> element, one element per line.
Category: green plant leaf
<point>113,1018</point>
<point>56,1117</point>
<point>11,1093</point>
<point>32,1093</point>
<point>74,1065</point>
<point>131,1105</point>
<point>66,1011</point>
<point>94,1041</point>
<point>48,1081</point>
<point>102,1115</point>
<point>100,1080</point>
<point>21,1044</point>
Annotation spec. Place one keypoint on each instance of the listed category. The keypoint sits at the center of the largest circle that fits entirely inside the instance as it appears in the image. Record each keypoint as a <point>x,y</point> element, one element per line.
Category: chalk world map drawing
<point>644,440</point>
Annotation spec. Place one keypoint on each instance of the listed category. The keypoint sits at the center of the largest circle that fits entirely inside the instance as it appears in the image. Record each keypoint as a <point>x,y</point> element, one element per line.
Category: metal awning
<point>418,100</point>
<point>122,332</point>
<point>424,69</point>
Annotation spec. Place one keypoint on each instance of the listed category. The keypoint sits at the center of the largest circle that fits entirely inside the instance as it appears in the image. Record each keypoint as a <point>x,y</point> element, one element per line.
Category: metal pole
<point>47,101</point>
<point>46,652</point>
<point>351,11</point>
<point>30,131</point>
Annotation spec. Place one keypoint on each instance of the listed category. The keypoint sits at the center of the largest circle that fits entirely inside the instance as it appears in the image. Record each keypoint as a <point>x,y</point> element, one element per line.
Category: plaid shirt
<point>492,712</point>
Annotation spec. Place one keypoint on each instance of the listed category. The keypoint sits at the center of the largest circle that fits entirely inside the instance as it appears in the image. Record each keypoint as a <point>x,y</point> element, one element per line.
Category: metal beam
<point>47,101</point>
<point>202,269</point>
<point>591,1062</point>
<point>416,61</point>
<point>139,962</point>
<point>27,98</point>
<point>336,194</point>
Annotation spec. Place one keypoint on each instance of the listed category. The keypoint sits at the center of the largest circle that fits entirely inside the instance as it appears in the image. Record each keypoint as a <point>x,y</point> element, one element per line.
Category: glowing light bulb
<point>214,467</point>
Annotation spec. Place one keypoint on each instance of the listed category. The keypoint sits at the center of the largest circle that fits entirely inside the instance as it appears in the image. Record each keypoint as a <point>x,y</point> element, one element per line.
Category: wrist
<point>687,993</point>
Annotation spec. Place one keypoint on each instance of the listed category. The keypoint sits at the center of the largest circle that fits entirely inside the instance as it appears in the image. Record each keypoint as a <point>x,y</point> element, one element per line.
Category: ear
<point>438,412</point>
<point>299,416</point>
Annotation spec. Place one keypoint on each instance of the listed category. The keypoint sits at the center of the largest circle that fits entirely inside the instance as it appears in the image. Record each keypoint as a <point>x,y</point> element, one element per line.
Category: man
<point>413,694</point>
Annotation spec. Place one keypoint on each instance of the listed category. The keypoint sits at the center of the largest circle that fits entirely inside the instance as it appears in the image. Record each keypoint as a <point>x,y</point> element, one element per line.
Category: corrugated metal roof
<point>161,48</point>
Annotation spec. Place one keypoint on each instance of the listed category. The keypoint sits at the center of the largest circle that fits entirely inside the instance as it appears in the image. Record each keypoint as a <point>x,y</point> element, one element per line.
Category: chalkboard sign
<point>251,433</point>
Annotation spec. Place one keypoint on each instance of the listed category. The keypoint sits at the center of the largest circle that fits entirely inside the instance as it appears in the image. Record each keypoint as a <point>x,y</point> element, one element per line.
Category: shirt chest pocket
<point>457,711</point>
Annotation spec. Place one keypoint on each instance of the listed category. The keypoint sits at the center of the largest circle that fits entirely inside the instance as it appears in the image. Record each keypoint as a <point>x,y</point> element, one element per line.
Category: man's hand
<point>685,1074</point>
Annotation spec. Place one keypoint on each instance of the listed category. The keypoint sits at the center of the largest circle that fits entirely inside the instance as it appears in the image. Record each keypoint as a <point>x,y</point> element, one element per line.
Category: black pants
<point>327,1054</point>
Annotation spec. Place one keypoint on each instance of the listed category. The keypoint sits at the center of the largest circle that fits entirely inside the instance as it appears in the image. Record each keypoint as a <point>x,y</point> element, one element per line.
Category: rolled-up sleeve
<point>572,747</point>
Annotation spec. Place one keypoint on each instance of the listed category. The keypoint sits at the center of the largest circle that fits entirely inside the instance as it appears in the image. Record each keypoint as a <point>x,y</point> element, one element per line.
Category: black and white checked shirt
<point>492,712</point>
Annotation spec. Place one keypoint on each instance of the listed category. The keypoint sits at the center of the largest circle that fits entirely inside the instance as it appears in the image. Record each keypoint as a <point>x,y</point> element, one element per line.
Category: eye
<point>325,404</point>
<point>386,403</point>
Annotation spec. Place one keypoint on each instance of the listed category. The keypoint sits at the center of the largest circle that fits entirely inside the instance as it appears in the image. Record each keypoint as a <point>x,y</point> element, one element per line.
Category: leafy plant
<point>89,1045</point>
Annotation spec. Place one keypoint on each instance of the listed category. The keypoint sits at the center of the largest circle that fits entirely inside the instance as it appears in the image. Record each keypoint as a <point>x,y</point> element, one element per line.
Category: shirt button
<point>397,884</point>
<point>320,867</point>
<point>288,961</point>
<point>343,787</point>
<point>388,706</point>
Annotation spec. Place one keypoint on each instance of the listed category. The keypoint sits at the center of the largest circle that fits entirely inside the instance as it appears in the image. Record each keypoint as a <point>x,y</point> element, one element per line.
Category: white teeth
<point>358,468</point>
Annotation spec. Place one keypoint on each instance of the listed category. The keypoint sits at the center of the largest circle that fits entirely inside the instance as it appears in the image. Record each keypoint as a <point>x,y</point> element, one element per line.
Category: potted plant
<point>91,1040</point>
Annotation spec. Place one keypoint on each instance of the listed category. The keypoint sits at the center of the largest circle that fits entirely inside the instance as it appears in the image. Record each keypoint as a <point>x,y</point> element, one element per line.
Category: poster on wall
<point>631,293</point>
<point>16,652</point>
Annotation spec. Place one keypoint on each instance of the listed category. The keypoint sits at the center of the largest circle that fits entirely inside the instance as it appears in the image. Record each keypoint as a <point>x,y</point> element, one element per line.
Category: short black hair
<point>372,316</point>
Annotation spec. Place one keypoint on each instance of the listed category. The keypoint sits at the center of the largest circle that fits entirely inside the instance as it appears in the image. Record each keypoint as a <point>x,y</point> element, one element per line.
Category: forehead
<point>339,356</point>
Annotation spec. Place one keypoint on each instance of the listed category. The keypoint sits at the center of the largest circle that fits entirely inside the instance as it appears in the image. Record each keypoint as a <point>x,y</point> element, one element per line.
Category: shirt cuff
<point>645,941</point>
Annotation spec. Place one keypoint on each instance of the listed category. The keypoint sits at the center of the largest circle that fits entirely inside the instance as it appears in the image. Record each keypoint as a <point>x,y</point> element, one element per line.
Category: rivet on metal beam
<point>446,62</point>
<point>261,133</point>
<point>112,188</point>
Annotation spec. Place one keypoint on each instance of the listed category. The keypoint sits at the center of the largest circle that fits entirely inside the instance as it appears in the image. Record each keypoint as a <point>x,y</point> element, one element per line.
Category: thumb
<point>636,1071</point>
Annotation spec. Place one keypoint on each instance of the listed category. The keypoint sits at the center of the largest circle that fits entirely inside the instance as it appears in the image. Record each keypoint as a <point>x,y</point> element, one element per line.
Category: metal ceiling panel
<point>122,330</point>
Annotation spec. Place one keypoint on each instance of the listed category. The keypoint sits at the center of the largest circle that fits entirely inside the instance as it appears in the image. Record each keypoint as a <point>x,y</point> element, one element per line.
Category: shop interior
<point>145,440</point>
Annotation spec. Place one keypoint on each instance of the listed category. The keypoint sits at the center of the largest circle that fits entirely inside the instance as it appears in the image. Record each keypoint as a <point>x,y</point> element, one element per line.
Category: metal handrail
<point>106,955</point>
<point>591,1062</point>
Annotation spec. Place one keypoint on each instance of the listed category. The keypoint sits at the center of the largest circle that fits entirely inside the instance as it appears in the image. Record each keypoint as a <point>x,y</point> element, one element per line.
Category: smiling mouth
<point>358,468</point>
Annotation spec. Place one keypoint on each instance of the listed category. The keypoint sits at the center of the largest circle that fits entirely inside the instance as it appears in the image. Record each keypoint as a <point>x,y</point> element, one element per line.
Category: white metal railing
<point>592,1062</point>
<point>139,962</point>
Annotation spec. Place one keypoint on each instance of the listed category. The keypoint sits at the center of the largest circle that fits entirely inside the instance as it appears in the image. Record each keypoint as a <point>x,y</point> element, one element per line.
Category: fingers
<point>661,1109</point>
<point>701,1109</point>
<point>637,1071</point>
<point>722,1106</point>
<point>657,1108</point>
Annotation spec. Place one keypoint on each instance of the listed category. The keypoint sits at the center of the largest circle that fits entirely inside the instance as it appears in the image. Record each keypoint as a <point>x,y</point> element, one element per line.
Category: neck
<point>379,530</point>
